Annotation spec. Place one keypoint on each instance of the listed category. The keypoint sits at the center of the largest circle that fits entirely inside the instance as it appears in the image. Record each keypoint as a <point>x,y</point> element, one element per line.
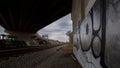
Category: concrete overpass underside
<point>31,15</point>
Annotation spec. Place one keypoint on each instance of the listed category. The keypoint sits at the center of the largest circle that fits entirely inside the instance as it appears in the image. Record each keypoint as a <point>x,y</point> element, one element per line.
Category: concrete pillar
<point>22,36</point>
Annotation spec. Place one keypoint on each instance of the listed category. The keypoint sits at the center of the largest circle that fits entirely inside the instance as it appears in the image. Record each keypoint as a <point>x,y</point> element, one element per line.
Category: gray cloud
<point>57,30</point>
<point>1,30</point>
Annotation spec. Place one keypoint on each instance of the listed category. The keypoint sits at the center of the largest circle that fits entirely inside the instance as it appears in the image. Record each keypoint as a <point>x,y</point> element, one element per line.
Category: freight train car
<point>9,41</point>
<point>96,33</point>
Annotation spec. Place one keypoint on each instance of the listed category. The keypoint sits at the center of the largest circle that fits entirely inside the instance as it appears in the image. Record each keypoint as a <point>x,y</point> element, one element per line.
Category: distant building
<point>45,36</point>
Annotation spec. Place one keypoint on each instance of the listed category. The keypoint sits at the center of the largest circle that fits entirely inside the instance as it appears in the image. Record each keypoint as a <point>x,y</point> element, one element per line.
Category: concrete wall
<point>80,9</point>
<point>96,36</point>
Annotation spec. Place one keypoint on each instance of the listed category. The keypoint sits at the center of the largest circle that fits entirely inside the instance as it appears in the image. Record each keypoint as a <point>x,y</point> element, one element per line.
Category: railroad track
<point>21,51</point>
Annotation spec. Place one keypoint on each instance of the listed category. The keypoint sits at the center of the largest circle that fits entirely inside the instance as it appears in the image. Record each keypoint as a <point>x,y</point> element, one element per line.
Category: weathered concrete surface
<point>57,57</point>
<point>80,9</point>
<point>97,37</point>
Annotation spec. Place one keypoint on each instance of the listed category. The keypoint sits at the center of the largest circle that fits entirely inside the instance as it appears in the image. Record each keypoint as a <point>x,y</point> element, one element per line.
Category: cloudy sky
<point>1,30</point>
<point>57,30</point>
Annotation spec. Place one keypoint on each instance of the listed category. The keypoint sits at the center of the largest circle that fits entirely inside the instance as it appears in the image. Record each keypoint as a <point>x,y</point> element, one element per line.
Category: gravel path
<point>57,57</point>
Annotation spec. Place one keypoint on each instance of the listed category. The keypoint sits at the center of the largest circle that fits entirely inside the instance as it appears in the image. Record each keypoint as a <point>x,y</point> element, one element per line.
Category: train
<point>9,41</point>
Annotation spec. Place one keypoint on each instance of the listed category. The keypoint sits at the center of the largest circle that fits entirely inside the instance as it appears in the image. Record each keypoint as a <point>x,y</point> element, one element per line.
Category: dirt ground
<point>63,58</point>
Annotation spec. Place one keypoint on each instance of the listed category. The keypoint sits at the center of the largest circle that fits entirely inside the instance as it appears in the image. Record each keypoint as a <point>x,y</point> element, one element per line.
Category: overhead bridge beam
<point>31,15</point>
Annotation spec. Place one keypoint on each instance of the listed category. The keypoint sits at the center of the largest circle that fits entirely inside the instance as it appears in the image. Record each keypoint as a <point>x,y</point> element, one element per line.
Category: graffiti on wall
<point>99,33</point>
<point>92,31</point>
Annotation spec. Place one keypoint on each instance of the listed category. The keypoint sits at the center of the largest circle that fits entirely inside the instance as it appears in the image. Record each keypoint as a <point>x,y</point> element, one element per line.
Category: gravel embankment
<point>55,57</point>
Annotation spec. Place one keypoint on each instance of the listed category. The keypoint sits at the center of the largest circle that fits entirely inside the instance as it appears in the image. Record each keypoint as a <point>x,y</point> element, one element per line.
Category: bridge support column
<point>23,36</point>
